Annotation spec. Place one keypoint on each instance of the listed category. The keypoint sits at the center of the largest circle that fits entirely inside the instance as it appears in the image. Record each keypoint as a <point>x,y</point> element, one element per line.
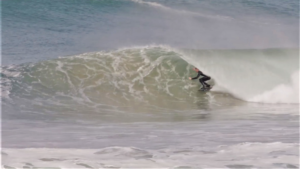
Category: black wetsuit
<point>203,79</point>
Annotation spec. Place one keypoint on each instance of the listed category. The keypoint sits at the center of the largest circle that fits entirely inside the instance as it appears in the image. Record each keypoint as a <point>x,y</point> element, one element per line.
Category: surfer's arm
<point>199,73</point>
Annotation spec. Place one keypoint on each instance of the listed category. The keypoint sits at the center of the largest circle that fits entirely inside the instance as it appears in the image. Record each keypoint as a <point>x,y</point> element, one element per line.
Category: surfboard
<point>205,89</point>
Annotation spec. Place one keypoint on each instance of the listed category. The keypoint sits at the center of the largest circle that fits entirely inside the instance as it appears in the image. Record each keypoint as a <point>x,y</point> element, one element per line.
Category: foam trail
<point>255,155</point>
<point>197,14</point>
<point>160,6</point>
<point>282,93</point>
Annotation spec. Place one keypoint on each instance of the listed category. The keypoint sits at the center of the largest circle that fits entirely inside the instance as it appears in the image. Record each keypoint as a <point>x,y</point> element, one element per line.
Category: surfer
<point>202,79</point>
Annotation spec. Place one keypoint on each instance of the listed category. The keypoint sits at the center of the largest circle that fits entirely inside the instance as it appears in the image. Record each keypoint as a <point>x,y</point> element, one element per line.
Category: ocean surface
<point>104,84</point>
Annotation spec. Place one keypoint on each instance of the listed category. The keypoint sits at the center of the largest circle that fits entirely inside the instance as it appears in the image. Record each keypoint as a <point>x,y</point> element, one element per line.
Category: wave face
<point>126,79</point>
<point>255,75</point>
<point>151,78</point>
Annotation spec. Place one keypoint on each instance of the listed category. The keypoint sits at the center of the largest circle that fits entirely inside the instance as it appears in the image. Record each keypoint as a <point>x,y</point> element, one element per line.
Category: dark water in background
<point>120,92</point>
<point>40,30</point>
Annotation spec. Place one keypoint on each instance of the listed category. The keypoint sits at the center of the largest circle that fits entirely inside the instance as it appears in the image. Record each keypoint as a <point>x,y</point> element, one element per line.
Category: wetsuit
<point>203,79</point>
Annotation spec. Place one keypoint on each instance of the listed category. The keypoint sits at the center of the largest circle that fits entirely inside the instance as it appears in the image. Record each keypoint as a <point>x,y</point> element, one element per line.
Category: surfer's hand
<point>190,78</point>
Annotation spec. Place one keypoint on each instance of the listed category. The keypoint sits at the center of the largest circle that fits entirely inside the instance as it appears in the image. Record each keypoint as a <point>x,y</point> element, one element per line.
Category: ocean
<point>105,84</point>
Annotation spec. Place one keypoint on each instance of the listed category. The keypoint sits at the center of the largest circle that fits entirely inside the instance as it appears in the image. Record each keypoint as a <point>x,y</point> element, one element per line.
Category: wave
<point>154,76</point>
<point>203,15</point>
<point>184,12</point>
<point>251,73</point>
<point>132,78</point>
<point>282,93</point>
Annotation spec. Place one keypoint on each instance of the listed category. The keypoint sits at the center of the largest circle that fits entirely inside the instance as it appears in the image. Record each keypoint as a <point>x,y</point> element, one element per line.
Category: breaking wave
<point>153,76</point>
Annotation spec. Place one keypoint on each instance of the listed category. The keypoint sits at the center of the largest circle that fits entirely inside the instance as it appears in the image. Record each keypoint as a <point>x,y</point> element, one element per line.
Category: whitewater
<point>105,84</point>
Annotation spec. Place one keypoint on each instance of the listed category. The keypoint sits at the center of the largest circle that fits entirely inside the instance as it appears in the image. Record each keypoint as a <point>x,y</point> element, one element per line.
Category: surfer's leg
<point>207,85</point>
<point>202,81</point>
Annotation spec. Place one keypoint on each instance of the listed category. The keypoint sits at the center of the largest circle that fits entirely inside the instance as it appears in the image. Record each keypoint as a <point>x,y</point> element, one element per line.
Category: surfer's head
<point>196,69</point>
